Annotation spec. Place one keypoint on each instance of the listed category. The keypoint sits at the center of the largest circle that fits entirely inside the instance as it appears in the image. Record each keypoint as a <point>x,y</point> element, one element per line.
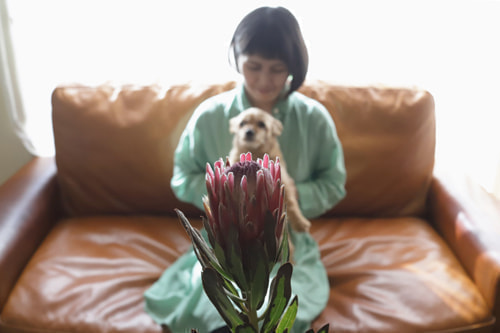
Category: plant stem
<point>252,313</point>
<point>254,319</point>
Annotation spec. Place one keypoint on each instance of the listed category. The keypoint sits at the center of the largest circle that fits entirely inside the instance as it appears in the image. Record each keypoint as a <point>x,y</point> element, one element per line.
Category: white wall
<point>449,47</point>
<point>13,154</point>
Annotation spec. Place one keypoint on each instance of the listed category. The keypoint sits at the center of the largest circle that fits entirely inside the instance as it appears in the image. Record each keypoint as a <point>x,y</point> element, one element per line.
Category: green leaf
<point>284,250</point>
<point>208,229</point>
<point>288,318</point>
<point>203,252</point>
<point>234,260</point>
<point>270,235</point>
<point>213,285</point>
<point>258,269</point>
<point>281,291</point>
<point>234,295</point>
<point>222,263</point>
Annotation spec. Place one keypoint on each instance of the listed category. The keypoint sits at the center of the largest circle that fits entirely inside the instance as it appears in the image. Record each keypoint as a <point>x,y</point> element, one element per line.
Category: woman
<point>268,49</point>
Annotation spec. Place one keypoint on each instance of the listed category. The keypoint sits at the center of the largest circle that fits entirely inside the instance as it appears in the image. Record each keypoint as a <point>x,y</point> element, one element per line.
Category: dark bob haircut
<point>272,33</point>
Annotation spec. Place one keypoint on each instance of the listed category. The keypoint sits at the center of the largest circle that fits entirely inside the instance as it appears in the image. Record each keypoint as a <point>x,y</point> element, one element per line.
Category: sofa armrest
<point>29,207</point>
<point>468,219</point>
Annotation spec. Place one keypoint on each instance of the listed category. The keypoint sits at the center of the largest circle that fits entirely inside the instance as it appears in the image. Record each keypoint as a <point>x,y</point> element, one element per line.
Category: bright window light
<point>448,47</point>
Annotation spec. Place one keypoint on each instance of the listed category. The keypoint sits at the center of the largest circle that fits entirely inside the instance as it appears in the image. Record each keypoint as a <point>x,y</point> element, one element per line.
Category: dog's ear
<point>276,127</point>
<point>234,124</point>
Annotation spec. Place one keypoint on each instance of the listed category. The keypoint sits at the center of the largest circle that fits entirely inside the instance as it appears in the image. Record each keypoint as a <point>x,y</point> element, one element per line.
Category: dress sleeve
<point>197,146</point>
<point>326,186</point>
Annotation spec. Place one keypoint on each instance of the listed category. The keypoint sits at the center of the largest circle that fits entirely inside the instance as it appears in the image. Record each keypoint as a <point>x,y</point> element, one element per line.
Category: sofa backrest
<point>114,146</point>
<point>388,136</point>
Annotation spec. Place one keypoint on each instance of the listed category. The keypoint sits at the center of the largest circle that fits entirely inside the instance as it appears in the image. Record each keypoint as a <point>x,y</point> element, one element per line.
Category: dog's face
<point>255,129</point>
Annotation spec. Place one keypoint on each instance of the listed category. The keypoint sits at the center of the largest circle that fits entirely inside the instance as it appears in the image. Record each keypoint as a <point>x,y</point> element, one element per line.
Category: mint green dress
<point>314,158</point>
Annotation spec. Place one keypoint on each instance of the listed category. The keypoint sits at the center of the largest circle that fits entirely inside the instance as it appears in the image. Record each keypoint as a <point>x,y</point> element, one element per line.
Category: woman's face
<point>264,79</point>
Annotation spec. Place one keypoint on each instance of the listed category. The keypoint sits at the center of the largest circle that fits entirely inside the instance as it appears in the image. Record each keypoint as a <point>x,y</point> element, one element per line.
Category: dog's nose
<point>249,134</point>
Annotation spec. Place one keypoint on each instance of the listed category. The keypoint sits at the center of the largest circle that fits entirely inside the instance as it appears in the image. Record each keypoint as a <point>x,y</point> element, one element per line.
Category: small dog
<point>256,131</point>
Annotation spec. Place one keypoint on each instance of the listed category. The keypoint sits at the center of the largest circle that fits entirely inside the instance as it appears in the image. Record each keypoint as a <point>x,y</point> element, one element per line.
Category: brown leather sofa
<point>84,234</point>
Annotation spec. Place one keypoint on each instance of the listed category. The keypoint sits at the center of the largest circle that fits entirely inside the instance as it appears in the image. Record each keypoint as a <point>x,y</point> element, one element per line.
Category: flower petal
<point>209,171</point>
<point>244,184</point>
<point>230,181</point>
<point>219,164</point>
<point>271,170</point>
<point>277,169</point>
<point>266,161</point>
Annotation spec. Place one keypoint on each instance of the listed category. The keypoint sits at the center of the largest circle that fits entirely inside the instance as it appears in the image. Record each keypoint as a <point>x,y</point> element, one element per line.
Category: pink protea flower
<point>241,194</point>
<point>245,200</point>
<point>246,228</point>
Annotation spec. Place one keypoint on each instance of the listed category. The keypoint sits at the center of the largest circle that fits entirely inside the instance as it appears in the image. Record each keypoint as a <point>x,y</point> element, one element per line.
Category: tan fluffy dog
<point>256,131</point>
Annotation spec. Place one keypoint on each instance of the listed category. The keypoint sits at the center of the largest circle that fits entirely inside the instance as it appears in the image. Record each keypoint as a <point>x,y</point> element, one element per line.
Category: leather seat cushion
<point>392,275</point>
<point>90,273</point>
